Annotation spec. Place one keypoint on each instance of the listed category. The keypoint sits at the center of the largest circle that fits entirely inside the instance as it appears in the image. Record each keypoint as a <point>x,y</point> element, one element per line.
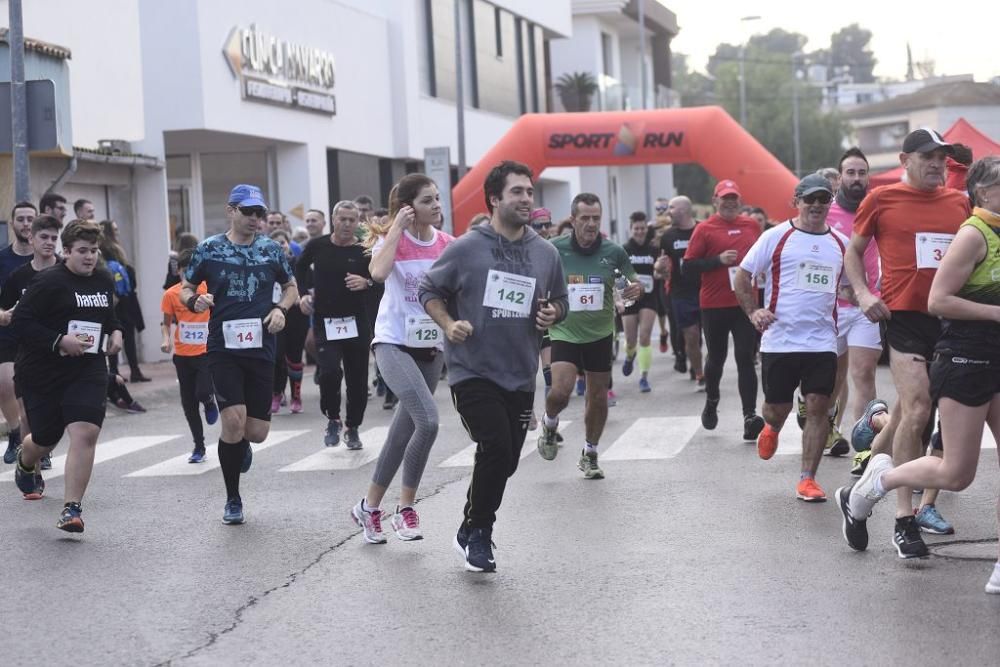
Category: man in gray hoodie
<point>493,292</point>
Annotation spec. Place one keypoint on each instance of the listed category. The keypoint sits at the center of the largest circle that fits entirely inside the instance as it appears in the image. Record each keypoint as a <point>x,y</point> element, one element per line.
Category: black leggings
<point>717,324</point>
<point>288,353</point>
<point>196,387</point>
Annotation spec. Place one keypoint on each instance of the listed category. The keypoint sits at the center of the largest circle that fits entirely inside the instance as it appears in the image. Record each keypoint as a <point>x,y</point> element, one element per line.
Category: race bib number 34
<point>509,291</point>
<point>931,249</point>
<point>423,332</point>
<point>243,334</point>
<point>584,297</point>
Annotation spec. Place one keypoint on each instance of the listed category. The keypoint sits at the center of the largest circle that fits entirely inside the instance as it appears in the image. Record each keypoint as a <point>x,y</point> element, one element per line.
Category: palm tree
<point>576,90</point>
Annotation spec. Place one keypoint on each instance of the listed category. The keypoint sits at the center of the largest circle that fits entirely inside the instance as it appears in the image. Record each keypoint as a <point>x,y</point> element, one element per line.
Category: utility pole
<point>743,78</point>
<point>642,76</point>
<point>795,115</point>
<point>459,90</point>
<point>18,104</point>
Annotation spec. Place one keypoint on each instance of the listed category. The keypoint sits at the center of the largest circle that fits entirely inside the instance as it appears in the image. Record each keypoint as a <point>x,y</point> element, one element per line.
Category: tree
<point>849,48</point>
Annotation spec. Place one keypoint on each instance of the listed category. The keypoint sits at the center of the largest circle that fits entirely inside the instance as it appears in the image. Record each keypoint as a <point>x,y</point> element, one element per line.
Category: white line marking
<point>466,457</point>
<point>653,438</point>
<point>342,458</point>
<point>106,451</point>
<point>178,465</point>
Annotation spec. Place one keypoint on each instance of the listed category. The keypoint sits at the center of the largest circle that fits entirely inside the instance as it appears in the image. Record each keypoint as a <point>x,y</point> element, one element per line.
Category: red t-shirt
<point>710,239</point>
<point>912,228</point>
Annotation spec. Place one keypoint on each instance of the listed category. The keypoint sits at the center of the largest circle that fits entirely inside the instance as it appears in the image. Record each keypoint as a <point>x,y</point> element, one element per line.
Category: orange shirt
<point>191,332</point>
<point>912,228</point>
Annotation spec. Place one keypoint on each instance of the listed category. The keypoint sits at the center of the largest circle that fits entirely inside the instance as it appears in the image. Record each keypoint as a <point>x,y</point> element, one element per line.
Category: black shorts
<point>644,302</point>
<point>782,372</point>
<point>662,298</point>
<point>81,399</point>
<point>912,332</point>
<point>594,357</point>
<point>971,382</point>
<point>546,341</point>
<point>8,351</point>
<point>687,311</point>
<point>242,380</point>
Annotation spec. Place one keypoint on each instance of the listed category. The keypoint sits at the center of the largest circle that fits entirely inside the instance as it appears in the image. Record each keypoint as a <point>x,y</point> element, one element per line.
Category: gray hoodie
<point>503,347</point>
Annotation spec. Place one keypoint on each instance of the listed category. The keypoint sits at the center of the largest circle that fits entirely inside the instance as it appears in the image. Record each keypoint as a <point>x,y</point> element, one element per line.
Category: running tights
<point>718,324</point>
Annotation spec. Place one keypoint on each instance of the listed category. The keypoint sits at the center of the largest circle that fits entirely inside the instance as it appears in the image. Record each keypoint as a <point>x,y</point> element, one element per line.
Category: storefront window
<point>219,173</point>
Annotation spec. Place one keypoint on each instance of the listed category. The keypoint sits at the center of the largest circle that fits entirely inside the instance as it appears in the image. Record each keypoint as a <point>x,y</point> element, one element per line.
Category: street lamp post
<point>743,79</point>
<point>795,114</point>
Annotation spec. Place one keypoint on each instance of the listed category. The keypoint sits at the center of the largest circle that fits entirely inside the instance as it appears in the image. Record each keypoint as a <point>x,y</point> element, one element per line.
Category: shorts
<point>645,302</point>
<point>594,357</point>
<point>782,372</point>
<point>913,332</point>
<point>687,311</point>
<point>546,341</point>
<point>856,330</point>
<point>244,381</point>
<point>81,399</point>
<point>8,352</point>
<point>971,382</point>
<point>662,298</point>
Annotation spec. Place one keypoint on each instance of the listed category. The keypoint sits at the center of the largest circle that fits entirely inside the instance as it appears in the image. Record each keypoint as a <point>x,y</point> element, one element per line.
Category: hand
<point>355,283</point>
<point>762,318</point>
<point>72,346</point>
<point>204,302</point>
<point>306,304</point>
<point>458,331</point>
<point>119,380</point>
<point>114,343</point>
<point>275,321</point>
<point>873,307</point>
<point>728,258</point>
<point>662,265</point>
<point>546,315</point>
<point>165,346</point>
<point>5,317</point>
<point>632,292</point>
<point>404,219</point>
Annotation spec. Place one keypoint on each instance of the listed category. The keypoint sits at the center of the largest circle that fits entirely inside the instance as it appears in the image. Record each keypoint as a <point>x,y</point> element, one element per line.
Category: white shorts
<point>856,330</point>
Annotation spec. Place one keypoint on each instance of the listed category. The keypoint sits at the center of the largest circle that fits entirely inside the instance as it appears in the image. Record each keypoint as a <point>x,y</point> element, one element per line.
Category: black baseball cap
<point>925,140</point>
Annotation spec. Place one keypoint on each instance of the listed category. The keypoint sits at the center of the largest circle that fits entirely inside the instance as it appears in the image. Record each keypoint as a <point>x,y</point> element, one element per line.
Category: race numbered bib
<point>931,249</point>
<point>340,328</point>
<point>509,291</point>
<point>732,277</point>
<point>192,333</point>
<point>586,297</point>
<point>423,332</point>
<point>647,283</point>
<point>88,332</point>
<point>245,334</point>
<point>276,293</point>
<point>816,277</point>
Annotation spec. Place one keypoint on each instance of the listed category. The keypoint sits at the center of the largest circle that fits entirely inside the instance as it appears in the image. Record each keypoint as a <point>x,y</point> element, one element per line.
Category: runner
<point>333,276</point>
<point>289,342</point>
<point>239,269</point>
<point>640,315</point>
<point>14,256</point>
<point>407,347</point>
<point>486,301</point>
<point>66,324</point>
<point>913,223</point>
<point>804,259</point>
<point>584,338</point>
<point>189,346</point>
<point>716,248</point>
<point>683,285</point>
<point>963,377</point>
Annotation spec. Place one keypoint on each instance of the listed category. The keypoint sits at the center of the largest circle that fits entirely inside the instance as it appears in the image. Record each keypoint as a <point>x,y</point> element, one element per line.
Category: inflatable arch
<point>706,135</point>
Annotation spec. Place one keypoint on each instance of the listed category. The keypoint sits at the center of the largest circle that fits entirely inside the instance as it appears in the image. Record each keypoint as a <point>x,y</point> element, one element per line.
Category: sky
<point>960,44</point>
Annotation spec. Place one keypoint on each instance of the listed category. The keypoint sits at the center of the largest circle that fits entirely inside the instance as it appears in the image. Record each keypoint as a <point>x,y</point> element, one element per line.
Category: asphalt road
<point>692,551</point>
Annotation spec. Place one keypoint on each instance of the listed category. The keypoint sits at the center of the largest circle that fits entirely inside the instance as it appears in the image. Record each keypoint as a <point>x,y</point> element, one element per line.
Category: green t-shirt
<point>583,273</point>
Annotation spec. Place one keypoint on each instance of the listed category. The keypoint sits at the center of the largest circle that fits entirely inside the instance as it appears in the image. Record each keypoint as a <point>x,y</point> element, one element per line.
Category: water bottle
<point>620,284</point>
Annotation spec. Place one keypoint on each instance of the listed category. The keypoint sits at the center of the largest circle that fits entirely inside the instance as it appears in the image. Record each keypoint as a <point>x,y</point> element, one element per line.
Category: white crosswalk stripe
<point>342,458</point>
<point>178,465</point>
<point>653,438</point>
<point>467,456</point>
<point>106,451</point>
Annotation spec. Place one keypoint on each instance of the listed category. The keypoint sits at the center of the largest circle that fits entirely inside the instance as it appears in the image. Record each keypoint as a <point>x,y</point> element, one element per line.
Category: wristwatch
<point>370,282</point>
<point>284,311</point>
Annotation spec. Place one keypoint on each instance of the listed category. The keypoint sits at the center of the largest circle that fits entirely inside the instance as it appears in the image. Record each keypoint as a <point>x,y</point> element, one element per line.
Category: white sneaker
<point>863,494</point>
<point>993,585</point>
<point>406,524</point>
<point>371,521</point>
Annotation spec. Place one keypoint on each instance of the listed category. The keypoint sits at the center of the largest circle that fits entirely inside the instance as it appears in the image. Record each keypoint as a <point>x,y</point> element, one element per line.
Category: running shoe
<point>855,530</point>
<point>663,344</point>
<point>247,459</point>
<point>233,514</point>
<point>461,540</point>
<point>134,407</point>
<point>390,401</point>
<point>352,439</point>
<point>929,520</point>
<point>197,456</point>
<point>211,413</point>
<point>284,399</point>
<point>612,398</point>
<point>70,519</point>
<point>993,585</point>
<point>137,376</point>
<point>548,446</point>
<point>332,436</point>
<point>752,426</point>
<point>29,482</point>
<point>863,432</point>
<point>681,363</point>
<point>906,538</point>
<point>588,464</point>
<point>581,385</point>
<point>276,403</point>
<point>860,462</point>
<point>479,551</point>
<point>45,463</point>
<point>406,524</point>
<point>628,365</point>
<point>296,406</point>
<point>809,491</point>
<point>800,411</point>
<point>836,444</point>
<point>379,387</point>
<point>533,422</point>
<point>767,442</point>
<point>701,382</point>
<point>371,521</point>
<point>710,414</point>
<point>11,454</point>
<point>644,387</point>
<point>863,494</point>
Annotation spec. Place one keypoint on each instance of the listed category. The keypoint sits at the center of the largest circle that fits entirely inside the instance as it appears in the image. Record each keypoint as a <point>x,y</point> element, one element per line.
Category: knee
<point>958,479</point>
<point>257,432</point>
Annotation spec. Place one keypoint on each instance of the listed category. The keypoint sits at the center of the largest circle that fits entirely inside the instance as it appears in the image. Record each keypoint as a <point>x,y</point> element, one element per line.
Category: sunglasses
<point>821,197</point>
<point>661,209</point>
<point>541,225</point>
<point>252,211</point>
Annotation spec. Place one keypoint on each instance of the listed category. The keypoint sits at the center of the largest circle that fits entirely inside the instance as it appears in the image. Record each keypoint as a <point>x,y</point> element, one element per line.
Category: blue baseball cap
<point>246,195</point>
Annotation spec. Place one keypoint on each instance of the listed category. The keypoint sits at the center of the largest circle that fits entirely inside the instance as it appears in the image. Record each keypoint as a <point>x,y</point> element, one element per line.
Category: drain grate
<point>977,550</point>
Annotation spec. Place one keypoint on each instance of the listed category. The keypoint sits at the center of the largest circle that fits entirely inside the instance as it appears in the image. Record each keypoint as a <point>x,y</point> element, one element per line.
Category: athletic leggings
<point>196,387</point>
<point>415,425</point>
<point>717,324</point>
<point>288,352</point>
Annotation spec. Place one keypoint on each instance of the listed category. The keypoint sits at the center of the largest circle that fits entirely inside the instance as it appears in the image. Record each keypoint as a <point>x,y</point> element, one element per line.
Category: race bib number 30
<point>340,328</point>
<point>193,333</point>
<point>243,334</point>
<point>509,291</point>
<point>88,332</point>
<point>931,249</point>
<point>586,297</point>
<point>816,277</point>
<point>423,332</point>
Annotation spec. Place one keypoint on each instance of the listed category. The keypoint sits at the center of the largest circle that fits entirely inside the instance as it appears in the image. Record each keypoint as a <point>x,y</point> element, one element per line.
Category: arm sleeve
<point>9,295</point>
<point>558,294</point>
<point>195,269</point>
<point>440,281</point>
<point>757,257</point>
<point>303,269</point>
<point>866,219</point>
<point>625,265</point>
<point>26,325</point>
<point>694,259</point>
<point>166,305</point>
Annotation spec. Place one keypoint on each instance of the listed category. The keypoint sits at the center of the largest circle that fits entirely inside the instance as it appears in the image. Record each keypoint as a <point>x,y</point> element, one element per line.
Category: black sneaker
<point>752,426</point>
<point>352,439</point>
<point>681,363</point>
<point>29,482</point>
<point>70,519</point>
<point>461,540</point>
<point>332,436</point>
<point>45,463</point>
<point>710,415</point>
<point>906,538</point>
<point>13,442</point>
<point>855,530</point>
<point>479,551</point>
<point>390,401</point>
